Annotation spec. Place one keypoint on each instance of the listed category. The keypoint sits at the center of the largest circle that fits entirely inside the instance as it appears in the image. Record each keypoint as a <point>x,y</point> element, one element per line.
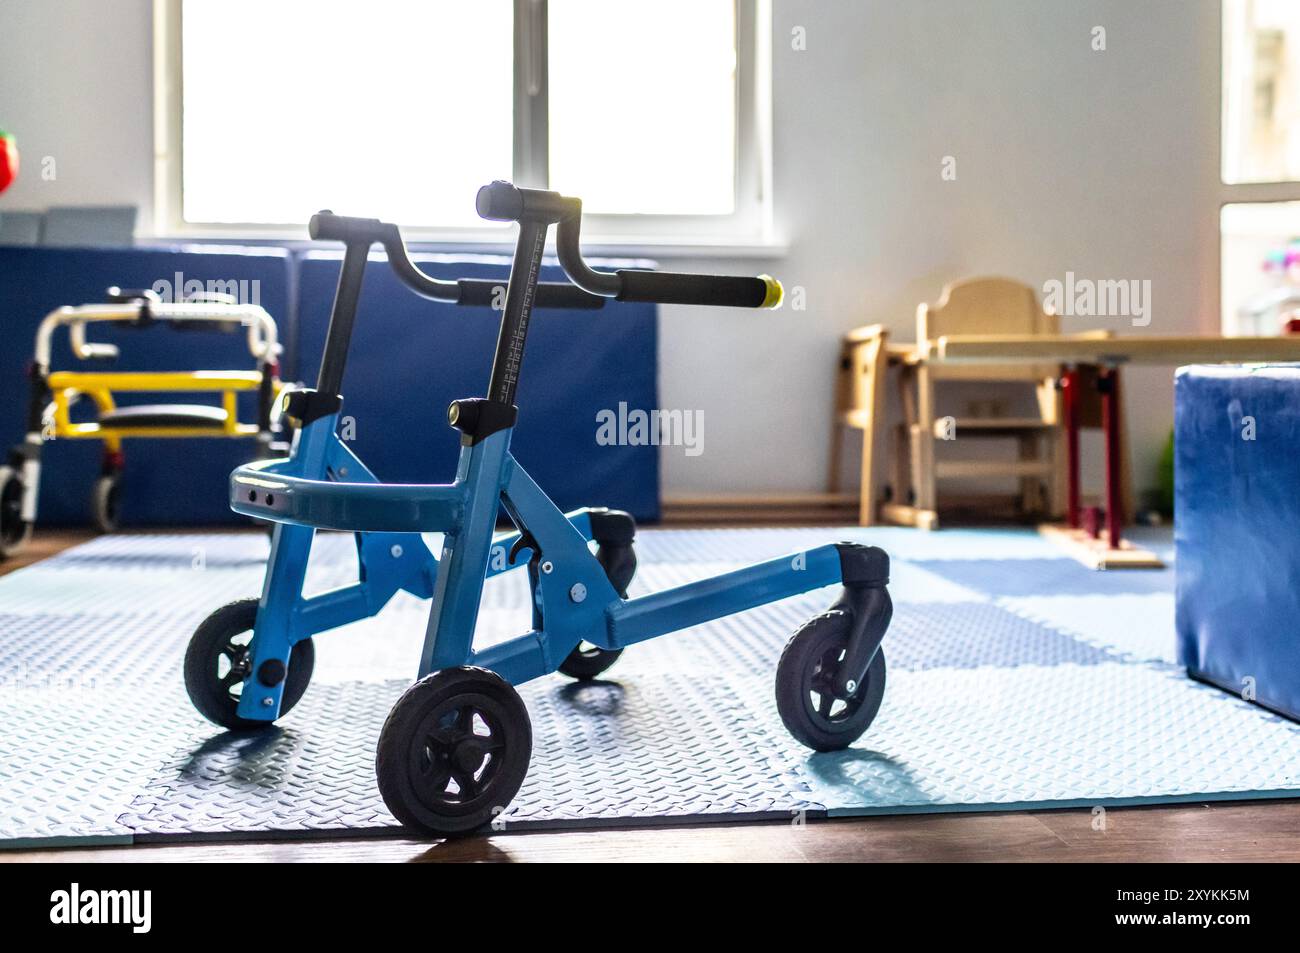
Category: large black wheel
<point>586,661</point>
<point>105,503</point>
<point>218,660</point>
<point>809,709</point>
<point>14,530</point>
<point>454,751</point>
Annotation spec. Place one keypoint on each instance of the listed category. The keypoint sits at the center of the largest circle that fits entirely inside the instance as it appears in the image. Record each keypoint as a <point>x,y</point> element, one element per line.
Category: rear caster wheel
<point>454,751</point>
<point>14,530</point>
<point>811,713</point>
<point>104,503</point>
<point>218,660</point>
<point>586,661</point>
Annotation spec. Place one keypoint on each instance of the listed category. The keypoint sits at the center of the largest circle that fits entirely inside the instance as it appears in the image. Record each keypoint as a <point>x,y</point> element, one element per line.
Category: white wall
<point>76,84</point>
<point>1105,164</point>
<point>1101,163</point>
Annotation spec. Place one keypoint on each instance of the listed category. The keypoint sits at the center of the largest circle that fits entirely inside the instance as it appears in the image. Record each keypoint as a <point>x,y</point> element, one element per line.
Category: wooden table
<point>1107,354</point>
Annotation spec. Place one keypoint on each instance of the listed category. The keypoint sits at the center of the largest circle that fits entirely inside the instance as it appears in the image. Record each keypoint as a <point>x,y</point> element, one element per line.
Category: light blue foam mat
<point>1147,620</point>
<point>1015,681</point>
<point>1057,576</point>
<point>1058,736</point>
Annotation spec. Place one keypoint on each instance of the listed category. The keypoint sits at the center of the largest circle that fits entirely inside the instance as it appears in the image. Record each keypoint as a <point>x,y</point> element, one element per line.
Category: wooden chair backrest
<point>862,367</point>
<point>986,306</point>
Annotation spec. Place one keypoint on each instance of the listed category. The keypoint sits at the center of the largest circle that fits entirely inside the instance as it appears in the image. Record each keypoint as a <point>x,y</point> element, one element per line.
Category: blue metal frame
<point>390,556</point>
<point>324,485</point>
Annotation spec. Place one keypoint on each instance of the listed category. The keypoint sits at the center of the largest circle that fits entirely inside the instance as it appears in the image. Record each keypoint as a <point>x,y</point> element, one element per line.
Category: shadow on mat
<point>249,759</point>
<point>877,779</point>
<point>595,698</point>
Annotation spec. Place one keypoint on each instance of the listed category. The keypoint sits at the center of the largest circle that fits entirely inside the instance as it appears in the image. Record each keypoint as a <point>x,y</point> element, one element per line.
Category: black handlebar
<point>505,202</point>
<point>502,201</point>
<point>326,226</point>
<point>668,288</point>
<point>490,292</point>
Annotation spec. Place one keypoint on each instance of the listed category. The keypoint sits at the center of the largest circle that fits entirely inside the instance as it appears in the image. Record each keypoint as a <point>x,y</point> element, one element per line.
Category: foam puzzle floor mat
<point>1017,679</point>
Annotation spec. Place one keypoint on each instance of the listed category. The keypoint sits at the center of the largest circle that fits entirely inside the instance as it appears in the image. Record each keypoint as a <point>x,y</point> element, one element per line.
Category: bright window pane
<point>1261,91</point>
<point>393,109</point>
<point>1261,266</point>
<point>643,105</point>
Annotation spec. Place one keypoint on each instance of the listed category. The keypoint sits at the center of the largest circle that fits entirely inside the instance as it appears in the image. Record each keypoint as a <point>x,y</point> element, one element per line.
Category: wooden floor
<point>1239,831</point>
<point>1221,832</point>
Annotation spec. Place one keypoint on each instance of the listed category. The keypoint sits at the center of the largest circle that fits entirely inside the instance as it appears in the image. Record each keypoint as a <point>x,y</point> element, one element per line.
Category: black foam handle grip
<point>326,226</point>
<point>499,202</point>
<point>483,291</point>
<point>664,287</point>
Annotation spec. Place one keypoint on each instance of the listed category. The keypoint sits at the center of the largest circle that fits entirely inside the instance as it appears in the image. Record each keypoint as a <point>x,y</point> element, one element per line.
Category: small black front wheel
<point>218,661</point>
<point>810,710</point>
<point>105,503</point>
<point>15,531</point>
<point>454,751</point>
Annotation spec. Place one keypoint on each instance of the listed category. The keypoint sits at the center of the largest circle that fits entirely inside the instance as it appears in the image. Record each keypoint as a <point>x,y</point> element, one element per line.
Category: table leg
<point>1070,402</point>
<point>1111,427</point>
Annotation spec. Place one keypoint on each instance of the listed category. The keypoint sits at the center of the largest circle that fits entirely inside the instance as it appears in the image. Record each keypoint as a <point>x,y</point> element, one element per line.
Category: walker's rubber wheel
<point>14,530</point>
<point>586,661</point>
<point>217,662</point>
<point>813,715</point>
<point>104,503</point>
<point>454,751</point>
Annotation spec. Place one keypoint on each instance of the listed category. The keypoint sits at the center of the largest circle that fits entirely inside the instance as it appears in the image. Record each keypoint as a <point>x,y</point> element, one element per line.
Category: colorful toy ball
<point>8,160</point>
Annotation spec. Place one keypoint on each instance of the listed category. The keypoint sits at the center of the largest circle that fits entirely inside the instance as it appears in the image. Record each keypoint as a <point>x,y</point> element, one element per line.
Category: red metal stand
<point>1108,385</point>
<point>1070,402</point>
<point>1111,430</point>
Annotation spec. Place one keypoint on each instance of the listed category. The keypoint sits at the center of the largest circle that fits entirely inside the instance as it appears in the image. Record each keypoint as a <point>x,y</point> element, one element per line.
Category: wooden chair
<point>860,405</point>
<point>972,306</point>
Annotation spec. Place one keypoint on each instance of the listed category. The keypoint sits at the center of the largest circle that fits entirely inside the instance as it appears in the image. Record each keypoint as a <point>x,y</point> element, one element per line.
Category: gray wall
<point>1105,164</point>
<point>76,83</point>
<point>1101,163</point>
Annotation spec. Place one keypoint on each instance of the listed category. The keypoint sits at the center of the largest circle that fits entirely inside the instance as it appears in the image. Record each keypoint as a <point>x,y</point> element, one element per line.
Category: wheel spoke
<point>439,775</point>
<point>437,745</point>
<point>465,722</point>
<point>825,701</point>
<point>465,780</point>
<point>237,655</point>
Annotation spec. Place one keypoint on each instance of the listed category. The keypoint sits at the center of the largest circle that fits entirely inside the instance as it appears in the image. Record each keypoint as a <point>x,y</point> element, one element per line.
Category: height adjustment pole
<point>520,294</point>
<point>344,315</point>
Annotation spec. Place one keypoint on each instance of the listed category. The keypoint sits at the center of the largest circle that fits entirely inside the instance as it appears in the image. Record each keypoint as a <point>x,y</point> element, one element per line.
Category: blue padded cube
<point>1237,529</point>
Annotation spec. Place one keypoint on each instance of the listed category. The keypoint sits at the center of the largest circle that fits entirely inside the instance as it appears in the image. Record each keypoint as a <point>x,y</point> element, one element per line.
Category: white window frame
<point>749,228</point>
<point>1238,193</point>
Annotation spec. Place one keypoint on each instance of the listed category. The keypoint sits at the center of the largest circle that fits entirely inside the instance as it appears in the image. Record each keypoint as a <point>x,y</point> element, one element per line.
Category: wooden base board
<point>761,509</point>
<point>900,514</point>
<point>961,510</point>
<point>1095,553</point>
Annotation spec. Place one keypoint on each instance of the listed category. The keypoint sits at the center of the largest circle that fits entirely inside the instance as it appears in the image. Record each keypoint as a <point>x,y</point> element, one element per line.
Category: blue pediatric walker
<point>456,746</point>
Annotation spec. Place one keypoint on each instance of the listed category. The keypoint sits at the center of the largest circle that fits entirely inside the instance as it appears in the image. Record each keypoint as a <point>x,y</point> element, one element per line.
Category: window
<point>1260,219</point>
<point>1261,91</point>
<point>659,112</point>
<point>401,109</point>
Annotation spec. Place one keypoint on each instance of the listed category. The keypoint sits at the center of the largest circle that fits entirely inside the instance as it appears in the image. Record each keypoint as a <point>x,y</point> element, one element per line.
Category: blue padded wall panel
<point>411,357</point>
<point>1237,529</point>
<point>174,482</point>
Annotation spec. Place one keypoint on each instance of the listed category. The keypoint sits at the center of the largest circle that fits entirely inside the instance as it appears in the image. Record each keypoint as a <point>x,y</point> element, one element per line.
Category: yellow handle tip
<point>775,293</point>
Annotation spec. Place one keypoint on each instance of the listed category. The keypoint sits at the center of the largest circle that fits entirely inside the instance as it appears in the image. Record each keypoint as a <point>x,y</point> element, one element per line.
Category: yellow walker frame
<point>54,393</point>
